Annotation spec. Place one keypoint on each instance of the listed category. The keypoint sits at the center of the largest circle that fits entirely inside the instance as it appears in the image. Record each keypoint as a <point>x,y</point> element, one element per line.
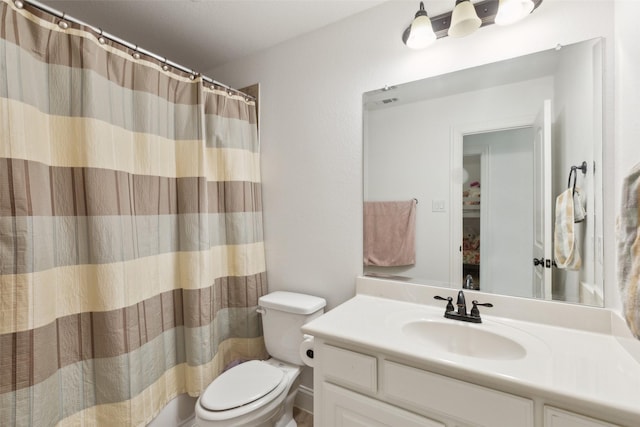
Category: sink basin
<point>465,339</point>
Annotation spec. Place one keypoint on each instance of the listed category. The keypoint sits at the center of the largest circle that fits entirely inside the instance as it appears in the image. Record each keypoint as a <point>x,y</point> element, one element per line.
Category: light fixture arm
<point>421,11</point>
<point>486,10</point>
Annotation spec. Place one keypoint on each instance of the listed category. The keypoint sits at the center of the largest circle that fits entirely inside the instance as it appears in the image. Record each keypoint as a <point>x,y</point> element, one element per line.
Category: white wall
<point>574,124</point>
<point>311,123</point>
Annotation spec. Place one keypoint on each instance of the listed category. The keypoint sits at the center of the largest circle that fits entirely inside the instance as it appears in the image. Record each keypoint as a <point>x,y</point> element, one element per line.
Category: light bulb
<point>464,19</point>
<point>510,11</point>
<point>421,34</point>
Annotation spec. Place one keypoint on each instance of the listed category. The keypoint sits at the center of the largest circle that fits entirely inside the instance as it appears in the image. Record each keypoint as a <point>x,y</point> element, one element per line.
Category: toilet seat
<point>242,389</point>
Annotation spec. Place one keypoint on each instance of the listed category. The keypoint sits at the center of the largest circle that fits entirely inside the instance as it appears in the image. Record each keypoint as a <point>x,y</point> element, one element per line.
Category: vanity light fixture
<point>421,32</point>
<point>464,19</point>
<point>512,11</point>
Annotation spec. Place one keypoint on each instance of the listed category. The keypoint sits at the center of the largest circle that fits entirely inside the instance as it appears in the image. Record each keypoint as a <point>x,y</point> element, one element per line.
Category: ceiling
<point>203,34</point>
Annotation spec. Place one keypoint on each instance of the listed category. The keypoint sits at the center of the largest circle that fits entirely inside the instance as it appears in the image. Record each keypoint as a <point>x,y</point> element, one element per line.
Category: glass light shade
<point>464,19</point>
<point>421,34</point>
<point>510,11</point>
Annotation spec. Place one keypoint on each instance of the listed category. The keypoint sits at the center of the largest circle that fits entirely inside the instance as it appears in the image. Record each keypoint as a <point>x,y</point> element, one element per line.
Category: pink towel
<point>390,233</point>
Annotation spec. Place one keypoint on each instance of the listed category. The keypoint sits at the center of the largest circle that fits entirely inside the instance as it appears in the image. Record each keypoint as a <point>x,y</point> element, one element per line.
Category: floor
<point>302,417</point>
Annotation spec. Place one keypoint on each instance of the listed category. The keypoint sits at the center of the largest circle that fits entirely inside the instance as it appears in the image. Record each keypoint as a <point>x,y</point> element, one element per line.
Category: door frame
<point>543,233</point>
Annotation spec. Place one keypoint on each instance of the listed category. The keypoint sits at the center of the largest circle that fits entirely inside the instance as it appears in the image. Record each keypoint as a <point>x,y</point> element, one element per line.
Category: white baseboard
<point>304,398</point>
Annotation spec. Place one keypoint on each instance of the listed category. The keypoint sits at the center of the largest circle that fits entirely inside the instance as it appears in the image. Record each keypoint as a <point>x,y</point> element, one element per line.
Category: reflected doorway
<point>471,204</point>
<point>497,195</point>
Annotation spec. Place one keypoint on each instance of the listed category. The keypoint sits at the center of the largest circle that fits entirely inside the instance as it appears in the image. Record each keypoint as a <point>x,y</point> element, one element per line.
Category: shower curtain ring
<point>19,4</point>
<point>136,54</point>
<point>101,39</point>
<point>165,67</point>
<point>62,23</point>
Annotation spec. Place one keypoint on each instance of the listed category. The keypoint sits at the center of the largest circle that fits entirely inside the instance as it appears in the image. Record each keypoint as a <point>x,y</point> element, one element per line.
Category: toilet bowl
<point>252,394</point>
<point>261,393</point>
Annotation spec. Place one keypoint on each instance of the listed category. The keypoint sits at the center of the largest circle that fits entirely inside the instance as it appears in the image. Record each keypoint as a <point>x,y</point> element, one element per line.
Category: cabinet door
<point>554,417</point>
<point>469,403</point>
<point>344,408</point>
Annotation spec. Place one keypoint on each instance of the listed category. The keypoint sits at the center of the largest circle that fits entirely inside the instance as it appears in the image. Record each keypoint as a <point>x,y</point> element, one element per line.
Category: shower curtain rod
<point>20,4</point>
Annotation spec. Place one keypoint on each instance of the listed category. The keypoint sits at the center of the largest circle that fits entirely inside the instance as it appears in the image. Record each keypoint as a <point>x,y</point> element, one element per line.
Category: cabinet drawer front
<point>350,368</point>
<point>554,417</point>
<point>344,408</point>
<point>470,403</point>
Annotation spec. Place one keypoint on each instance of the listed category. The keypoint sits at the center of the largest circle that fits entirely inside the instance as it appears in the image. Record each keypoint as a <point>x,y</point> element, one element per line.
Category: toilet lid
<point>241,385</point>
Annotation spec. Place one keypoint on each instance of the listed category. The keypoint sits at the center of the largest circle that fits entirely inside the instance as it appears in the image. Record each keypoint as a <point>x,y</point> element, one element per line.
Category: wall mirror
<point>486,152</point>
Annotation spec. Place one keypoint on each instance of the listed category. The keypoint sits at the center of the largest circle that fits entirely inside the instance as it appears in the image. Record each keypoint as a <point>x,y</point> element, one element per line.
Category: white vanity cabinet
<point>554,417</point>
<point>344,408</point>
<point>468,403</point>
<point>354,388</point>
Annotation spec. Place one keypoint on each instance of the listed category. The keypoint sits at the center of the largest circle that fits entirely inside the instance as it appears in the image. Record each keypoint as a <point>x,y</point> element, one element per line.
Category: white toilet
<point>261,393</point>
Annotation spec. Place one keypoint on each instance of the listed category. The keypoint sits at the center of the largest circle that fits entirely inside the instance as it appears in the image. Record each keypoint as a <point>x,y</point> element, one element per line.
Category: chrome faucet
<point>468,282</point>
<point>461,313</point>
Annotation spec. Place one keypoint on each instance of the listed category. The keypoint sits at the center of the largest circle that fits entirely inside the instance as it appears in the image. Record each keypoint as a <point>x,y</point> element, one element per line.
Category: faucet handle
<point>449,302</point>
<point>474,310</point>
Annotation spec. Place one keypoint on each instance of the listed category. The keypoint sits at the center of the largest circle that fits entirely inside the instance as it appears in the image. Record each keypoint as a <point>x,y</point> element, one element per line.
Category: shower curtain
<point>131,243</point>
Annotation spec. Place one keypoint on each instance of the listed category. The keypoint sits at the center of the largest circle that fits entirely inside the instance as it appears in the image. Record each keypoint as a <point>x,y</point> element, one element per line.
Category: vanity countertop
<point>589,366</point>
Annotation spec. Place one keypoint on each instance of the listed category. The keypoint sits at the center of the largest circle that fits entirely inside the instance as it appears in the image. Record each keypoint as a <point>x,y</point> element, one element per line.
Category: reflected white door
<point>542,204</point>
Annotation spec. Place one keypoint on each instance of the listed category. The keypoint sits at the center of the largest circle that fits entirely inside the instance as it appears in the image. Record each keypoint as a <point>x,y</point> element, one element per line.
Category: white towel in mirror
<point>566,253</point>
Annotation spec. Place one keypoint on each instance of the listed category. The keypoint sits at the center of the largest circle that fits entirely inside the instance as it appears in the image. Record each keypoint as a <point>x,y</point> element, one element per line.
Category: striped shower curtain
<point>131,243</point>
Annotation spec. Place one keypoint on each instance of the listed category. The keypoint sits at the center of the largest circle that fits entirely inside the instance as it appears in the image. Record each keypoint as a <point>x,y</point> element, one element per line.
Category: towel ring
<point>582,167</point>
<point>574,172</point>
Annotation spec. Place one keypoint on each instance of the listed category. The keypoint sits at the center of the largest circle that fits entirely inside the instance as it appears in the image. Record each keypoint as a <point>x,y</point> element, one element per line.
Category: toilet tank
<point>283,314</point>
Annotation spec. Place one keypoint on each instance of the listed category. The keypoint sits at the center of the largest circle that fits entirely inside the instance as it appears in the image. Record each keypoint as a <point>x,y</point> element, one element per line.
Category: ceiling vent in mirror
<point>464,19</point>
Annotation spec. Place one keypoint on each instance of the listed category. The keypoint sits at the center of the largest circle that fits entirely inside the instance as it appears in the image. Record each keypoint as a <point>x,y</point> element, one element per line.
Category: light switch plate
<point>438,206</point>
